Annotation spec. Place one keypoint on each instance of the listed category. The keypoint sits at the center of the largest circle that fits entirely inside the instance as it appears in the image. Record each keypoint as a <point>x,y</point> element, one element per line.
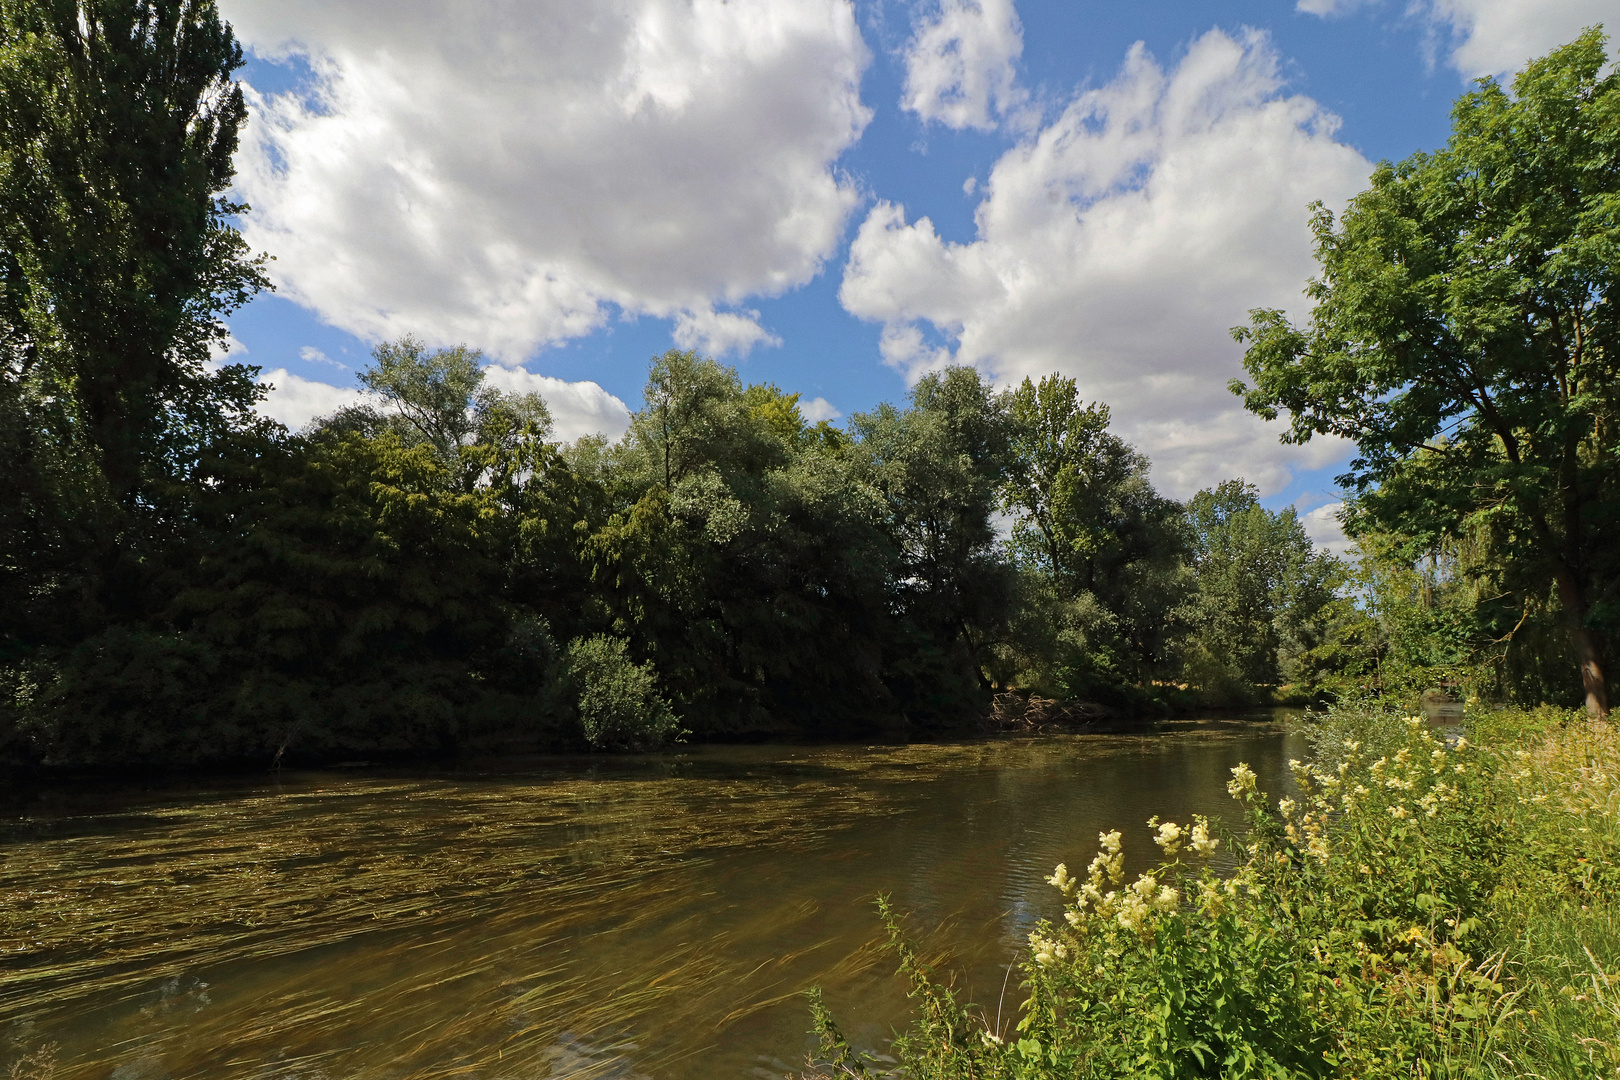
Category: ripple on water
<point>650,917</point>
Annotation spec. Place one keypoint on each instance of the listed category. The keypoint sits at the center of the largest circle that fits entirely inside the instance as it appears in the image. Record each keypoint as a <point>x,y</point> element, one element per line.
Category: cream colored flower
<point>1242,782</point>
<point>1201,840</point>
<point>1169,837</point>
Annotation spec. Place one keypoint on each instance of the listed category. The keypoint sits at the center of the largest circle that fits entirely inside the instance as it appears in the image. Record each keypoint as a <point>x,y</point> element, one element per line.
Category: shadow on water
<point>651,917</point>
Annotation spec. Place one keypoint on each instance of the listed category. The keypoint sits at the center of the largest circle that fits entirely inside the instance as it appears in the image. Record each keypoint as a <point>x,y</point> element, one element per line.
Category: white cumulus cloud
<point>1322,525</point>
<point>311,355</point>
<point>1119,244</point>
<point>295,401</point>
<point>818,409</point>
<point>720,333</point>
<point>578,408</point>
<point>506,174</point>
<point>1494,37</point>
<point>961,64</point>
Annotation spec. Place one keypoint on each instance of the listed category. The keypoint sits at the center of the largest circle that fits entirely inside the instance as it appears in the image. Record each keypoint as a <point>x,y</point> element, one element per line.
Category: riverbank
<point>1422,904</point>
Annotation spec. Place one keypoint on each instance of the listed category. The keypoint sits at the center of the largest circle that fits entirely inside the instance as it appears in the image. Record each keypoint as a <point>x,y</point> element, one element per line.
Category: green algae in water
<point>653,917</point>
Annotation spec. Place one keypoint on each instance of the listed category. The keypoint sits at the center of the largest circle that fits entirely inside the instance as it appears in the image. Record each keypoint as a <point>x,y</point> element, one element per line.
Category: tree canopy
<point>1464,335</point>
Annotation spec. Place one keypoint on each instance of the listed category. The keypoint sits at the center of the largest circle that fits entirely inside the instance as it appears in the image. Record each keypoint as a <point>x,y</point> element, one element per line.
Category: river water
<point>637,917</point>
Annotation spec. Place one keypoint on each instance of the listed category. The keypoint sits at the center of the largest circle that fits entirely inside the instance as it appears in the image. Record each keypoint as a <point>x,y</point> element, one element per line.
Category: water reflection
<point>633,918</point>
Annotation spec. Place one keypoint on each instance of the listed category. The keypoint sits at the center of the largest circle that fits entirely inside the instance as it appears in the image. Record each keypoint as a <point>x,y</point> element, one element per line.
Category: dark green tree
<point>938,466</point>
<point>118,122</point>
<point>1464,334</point>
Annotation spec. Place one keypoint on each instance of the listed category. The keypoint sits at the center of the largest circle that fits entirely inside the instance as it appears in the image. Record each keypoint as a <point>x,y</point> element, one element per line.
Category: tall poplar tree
<point>118,122</point>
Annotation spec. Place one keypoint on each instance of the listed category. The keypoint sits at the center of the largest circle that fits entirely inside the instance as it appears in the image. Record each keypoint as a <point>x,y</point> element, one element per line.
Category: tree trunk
<point>1587,650</point>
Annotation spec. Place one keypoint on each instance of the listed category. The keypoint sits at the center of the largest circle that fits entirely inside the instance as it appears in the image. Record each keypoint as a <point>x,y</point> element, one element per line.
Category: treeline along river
<point>612,917</point>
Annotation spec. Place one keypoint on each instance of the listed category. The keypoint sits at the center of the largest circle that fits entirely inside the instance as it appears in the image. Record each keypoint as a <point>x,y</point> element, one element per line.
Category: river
<point>653,917</point>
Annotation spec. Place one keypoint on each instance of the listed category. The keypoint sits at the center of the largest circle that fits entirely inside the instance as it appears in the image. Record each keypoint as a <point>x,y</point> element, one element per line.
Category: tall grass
<point>1422,905</point>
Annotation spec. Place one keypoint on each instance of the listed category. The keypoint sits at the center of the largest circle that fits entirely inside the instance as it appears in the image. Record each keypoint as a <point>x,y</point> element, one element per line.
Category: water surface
<point>651,917</point>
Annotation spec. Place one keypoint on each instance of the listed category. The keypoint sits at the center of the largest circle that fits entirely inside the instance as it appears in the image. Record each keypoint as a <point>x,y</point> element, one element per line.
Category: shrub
<point>1422,907</point>
<point>619,704</point>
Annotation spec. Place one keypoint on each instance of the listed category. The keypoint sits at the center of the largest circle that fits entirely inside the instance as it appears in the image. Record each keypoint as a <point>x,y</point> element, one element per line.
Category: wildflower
<point>1285,807</point>
<point>1201,841</point>
<point>1168,898</point>
<point>1242,782</point>
<point>1044,947</point>
<point>1061,881</point>
<point>1169,837</point>
<point>1399,812</point>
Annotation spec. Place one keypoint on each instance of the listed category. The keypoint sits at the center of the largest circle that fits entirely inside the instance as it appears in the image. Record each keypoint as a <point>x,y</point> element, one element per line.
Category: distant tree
<point>1262,591</point>
<point>1465,336</point>
<point>1083,508</point>
<point>438,399</point>
<point>937,466</point>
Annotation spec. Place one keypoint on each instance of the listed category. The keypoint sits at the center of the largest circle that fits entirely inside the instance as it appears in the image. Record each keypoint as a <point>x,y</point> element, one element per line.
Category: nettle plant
<point>1350,939</point>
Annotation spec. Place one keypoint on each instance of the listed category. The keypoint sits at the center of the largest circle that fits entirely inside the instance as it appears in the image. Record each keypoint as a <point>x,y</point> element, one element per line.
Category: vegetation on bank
<point>1422,905</point>
<point>182,581</point>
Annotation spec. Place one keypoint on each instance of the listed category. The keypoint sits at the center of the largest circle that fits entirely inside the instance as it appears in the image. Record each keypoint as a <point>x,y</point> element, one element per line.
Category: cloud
<point>311,355</point>
<point>1328,8</point>
<point>507,175</point>
<point>722,332</point>
<point>1492,37</point>
<point>1495,37</point>
<point>1119,244</point>
<point>960,64</point>
<point>580,408</point>
<point>295,401</point>
<point>818,409</point>
<point>1322,525</point>
<point>222,350</point>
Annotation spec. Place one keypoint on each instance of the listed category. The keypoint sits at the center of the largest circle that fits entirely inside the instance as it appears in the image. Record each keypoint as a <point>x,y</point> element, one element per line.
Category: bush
<point>1423,907</point>
<point>619,704</point>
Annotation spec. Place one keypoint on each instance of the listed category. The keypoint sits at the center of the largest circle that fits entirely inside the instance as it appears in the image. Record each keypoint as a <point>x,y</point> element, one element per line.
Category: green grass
<point>1418,907</point>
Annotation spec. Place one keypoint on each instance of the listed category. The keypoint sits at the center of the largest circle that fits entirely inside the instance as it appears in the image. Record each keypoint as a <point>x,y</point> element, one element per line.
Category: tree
<point>438,399</point>
<point>1085,511</point>
<point>118,122</point>
<point>1262,590</point>
<point>937,467</point>
<point>1464,334</point>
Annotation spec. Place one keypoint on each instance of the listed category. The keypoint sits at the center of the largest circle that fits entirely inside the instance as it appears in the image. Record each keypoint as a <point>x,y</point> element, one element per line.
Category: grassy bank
<point>1421,906</point>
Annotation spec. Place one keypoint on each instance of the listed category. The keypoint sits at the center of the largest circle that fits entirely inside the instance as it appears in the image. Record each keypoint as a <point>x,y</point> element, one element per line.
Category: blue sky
<point>837,196</point>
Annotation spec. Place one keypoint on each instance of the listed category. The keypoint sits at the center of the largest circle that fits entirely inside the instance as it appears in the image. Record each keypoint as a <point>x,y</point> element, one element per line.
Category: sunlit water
<point>652,917</point>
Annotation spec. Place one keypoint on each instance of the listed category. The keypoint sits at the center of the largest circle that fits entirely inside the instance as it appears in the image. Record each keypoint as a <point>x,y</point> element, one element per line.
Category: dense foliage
<point>1420,906</point>
<point>431,573</point>
<point>1464,335</point>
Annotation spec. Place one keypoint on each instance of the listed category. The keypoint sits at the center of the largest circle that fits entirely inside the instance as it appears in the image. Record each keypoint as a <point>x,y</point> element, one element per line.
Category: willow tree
<point>1464,335</point>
